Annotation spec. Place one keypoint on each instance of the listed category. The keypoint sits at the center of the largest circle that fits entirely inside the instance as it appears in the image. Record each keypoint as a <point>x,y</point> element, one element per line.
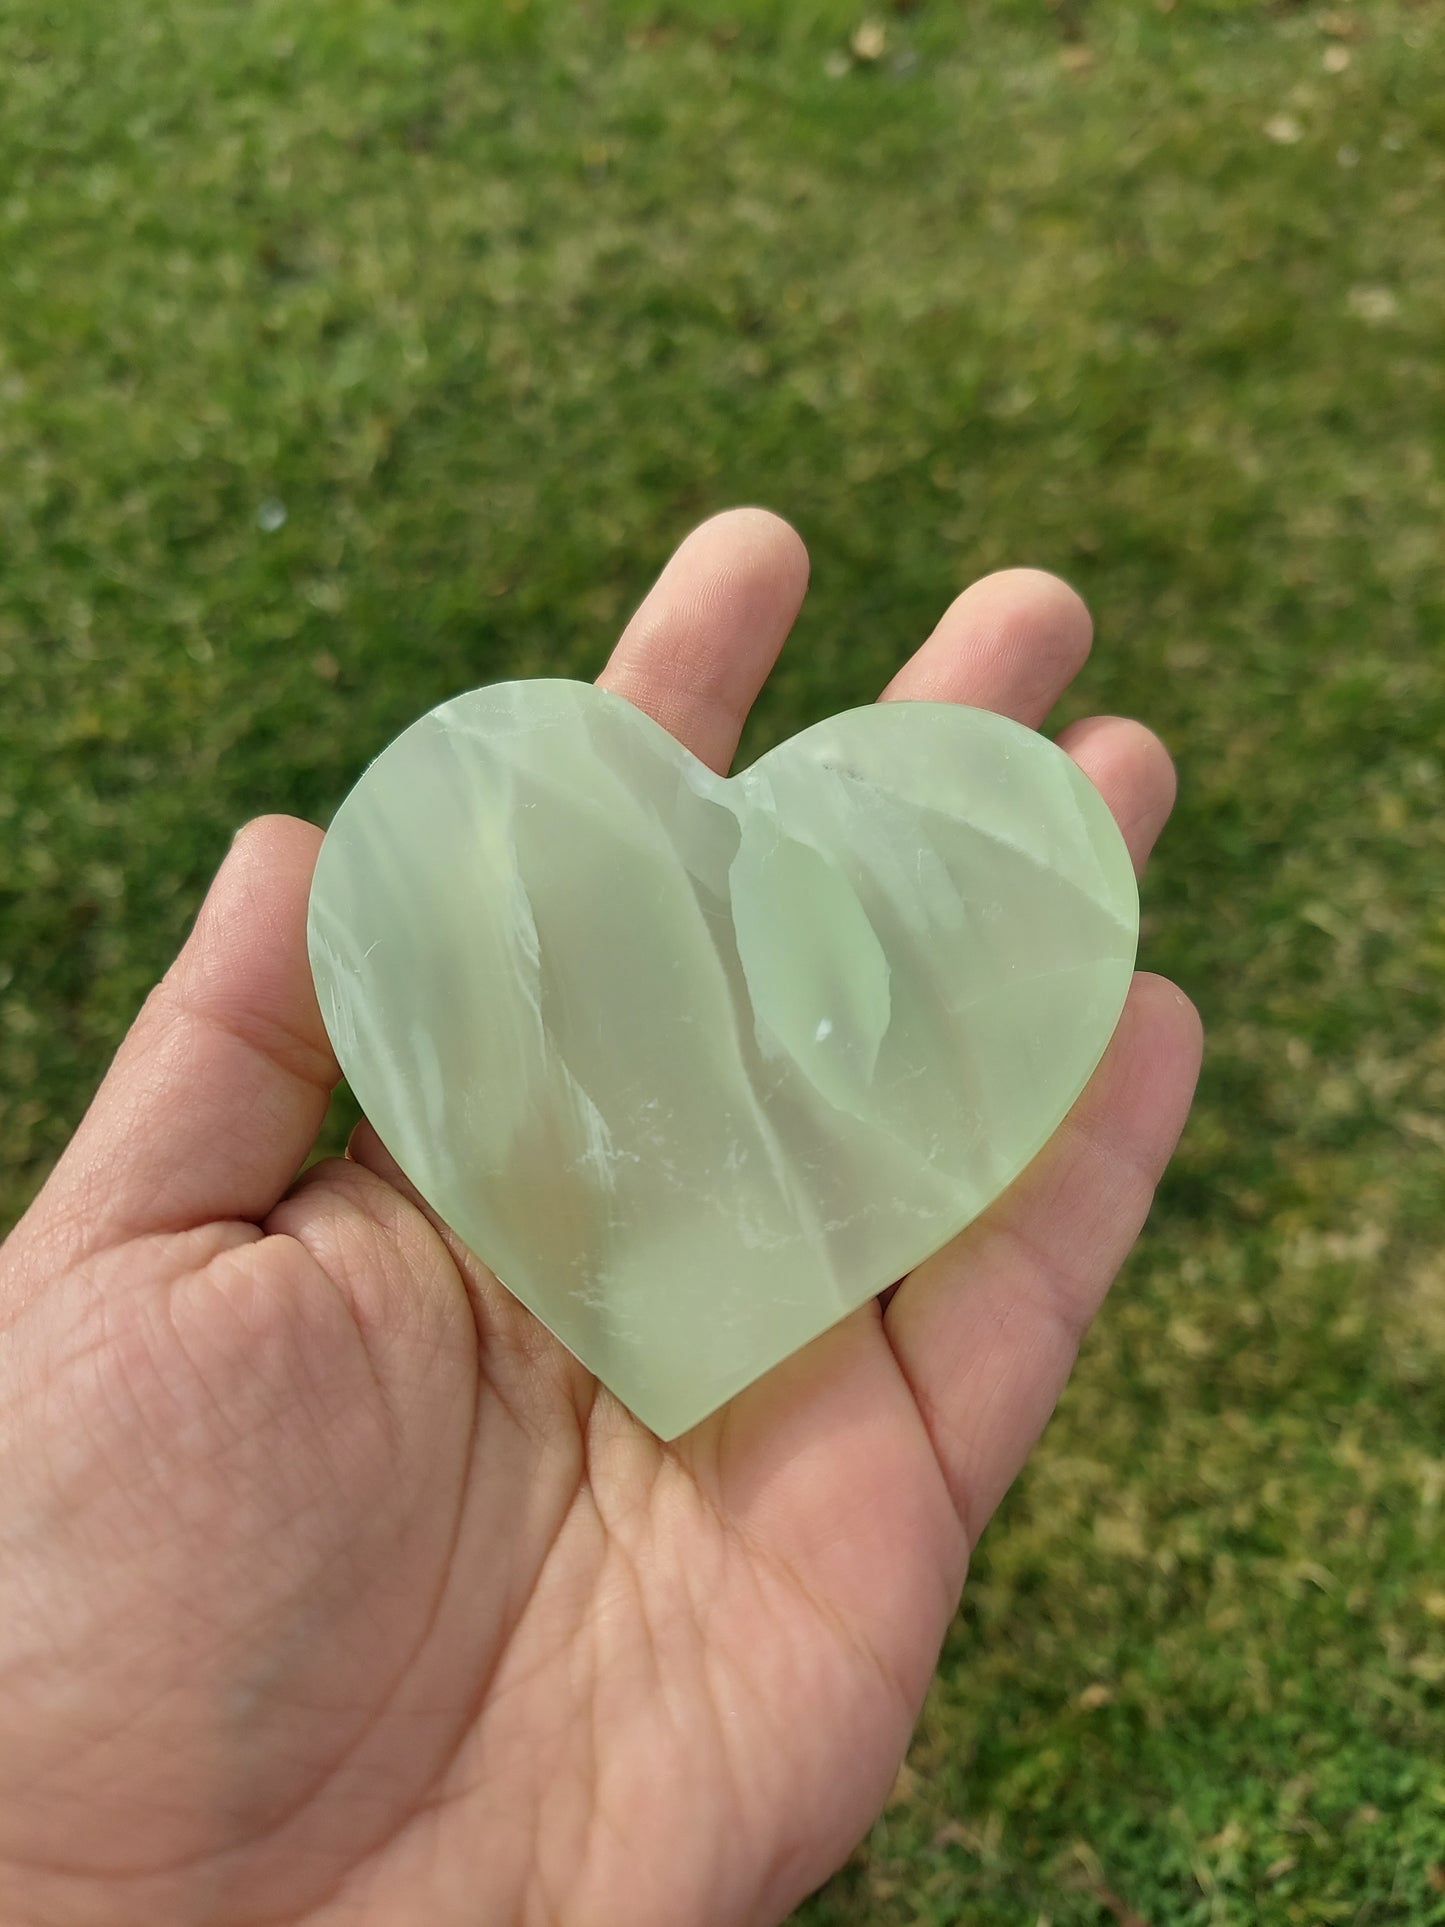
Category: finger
<point>986,1332</point>
<point>699,649</point>
<point>1132,771</point>
<point>503,1323</point>
<point>217,1093</point>
<point>365,1149</point>
<point>1012,642</point>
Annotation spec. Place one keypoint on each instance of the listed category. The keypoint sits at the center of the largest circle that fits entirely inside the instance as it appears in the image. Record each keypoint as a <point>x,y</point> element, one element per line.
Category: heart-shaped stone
<point>698,1064</point>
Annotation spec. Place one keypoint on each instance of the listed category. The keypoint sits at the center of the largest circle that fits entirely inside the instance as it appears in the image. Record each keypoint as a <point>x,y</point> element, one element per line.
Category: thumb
<point>217,1093</point>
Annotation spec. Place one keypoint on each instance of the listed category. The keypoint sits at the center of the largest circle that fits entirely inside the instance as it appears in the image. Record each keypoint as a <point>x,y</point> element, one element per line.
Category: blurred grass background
<point>354,355</point>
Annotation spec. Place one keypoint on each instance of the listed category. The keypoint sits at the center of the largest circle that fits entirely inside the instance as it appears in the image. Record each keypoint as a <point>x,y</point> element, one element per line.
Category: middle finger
<point>1013,642</point>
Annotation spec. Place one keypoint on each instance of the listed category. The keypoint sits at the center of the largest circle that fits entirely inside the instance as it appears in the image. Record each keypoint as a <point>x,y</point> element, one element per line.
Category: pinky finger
<point>986,1332</point>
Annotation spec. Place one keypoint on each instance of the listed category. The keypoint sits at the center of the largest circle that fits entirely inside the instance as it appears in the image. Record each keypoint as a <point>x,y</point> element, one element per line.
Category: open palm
<point>334,1590</point>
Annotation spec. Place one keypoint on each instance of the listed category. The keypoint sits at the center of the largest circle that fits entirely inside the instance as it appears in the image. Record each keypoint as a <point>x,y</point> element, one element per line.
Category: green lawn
<point>354,354</point>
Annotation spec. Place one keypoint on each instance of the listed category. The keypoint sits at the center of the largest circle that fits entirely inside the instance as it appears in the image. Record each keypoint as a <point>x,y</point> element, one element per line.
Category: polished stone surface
<point>697,1065</point>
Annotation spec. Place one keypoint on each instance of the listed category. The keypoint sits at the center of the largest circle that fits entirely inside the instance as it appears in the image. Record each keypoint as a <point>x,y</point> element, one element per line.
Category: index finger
<point>700,647</point>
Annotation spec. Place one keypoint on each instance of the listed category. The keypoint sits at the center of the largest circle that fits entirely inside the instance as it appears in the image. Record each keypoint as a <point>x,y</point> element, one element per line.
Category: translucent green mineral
<point>699,1064</point>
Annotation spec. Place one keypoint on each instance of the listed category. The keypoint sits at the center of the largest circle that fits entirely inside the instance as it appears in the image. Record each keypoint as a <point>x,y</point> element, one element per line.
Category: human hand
<point>334,1590</point>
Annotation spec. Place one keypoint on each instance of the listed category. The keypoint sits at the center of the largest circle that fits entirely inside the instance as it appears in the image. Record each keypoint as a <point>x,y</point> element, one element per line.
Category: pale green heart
<point>697,1065</point>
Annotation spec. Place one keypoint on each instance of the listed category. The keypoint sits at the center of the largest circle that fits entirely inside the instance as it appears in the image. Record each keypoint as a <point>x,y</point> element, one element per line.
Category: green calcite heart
<point>699,1064</point>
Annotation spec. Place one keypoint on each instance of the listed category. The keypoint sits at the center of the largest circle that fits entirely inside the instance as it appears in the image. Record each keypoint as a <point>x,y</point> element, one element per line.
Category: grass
<point>356,355</point>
